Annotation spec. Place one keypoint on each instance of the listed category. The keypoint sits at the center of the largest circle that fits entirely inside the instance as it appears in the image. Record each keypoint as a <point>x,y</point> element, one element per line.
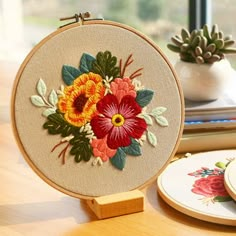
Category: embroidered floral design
<point>210,183</point>
<point>101,112</point>
<point>79,101</point>
<point>210,186</point>
<point>118,121</point>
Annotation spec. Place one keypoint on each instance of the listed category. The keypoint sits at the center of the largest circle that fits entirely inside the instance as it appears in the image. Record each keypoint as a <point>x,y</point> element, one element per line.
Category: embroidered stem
<point>207,200</point>
<point>136,74</point>
<point>57,145</point>
<point>127,63</point>
<point>63,154</point>
<point>46,102</point>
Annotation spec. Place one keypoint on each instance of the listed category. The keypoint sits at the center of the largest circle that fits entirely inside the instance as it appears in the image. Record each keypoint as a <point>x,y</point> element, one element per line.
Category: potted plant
<point>203,70</point>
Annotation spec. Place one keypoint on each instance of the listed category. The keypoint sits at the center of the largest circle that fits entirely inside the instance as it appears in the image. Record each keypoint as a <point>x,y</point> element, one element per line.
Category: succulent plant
<point>203,45</point>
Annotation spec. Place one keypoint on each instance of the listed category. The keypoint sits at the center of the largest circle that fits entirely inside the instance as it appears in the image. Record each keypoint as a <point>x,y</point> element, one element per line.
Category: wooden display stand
<point>117,204</point>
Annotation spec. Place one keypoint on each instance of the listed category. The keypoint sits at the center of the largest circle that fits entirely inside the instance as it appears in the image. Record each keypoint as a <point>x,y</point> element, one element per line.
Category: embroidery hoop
<point>179,195</point>
<point>230,179</point>
<point>33,141</point>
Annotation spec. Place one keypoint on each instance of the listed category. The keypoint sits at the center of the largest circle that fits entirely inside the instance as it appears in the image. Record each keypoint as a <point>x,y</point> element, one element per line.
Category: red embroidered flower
<point>211,186</point>
<point>118,121</point>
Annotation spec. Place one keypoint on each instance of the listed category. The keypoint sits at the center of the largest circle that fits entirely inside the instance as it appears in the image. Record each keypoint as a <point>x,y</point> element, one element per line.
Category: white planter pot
<point>204,82</point>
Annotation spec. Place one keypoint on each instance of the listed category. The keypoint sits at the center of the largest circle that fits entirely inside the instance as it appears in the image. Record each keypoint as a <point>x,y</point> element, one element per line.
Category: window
<point>199,13</point>
<point>223,13</point>
<point>11,29</point>
<point>23,23</point>
<point>220,12</point>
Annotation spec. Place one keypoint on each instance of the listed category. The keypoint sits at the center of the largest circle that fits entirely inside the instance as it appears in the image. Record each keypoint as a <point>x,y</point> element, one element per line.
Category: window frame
<point>199,13</point>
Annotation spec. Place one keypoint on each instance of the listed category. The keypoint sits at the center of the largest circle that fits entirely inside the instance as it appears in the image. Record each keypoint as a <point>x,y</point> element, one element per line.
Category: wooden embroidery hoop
<point>180,197</point>
<point>230,179</point>
<point>21,108</point>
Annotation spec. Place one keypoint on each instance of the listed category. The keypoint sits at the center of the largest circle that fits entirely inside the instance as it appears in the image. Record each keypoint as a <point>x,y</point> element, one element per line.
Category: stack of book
<point>210,125</point>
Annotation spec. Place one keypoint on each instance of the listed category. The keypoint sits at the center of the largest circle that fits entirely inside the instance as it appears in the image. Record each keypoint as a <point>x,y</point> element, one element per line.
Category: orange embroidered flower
<point>80,99</point>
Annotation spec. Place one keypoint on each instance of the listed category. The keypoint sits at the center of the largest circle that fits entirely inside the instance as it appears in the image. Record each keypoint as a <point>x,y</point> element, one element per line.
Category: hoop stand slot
<point>117,204</point>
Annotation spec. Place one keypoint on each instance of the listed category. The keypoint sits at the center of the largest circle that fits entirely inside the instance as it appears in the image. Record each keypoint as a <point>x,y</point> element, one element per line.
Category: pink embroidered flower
<point>100,149</point>
<point>211,186</point>
<point>122,87</point>
<point>118,121</point>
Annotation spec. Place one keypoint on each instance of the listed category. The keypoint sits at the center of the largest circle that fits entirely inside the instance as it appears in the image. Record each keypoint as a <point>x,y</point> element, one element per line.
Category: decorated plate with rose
<point>198,188</point>
<point>97,109</point>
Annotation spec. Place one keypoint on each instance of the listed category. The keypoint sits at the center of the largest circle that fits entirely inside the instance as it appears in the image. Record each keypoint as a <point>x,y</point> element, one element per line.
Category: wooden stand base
<point>117,204</point>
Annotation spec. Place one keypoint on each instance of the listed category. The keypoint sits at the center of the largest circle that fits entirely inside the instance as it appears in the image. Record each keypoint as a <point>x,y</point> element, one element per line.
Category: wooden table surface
<point>28,206</point>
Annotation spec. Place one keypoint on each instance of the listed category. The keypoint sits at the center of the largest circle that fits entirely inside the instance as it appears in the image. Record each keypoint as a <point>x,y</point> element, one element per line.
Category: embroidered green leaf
<point>86,62</point>
<point>147,118</point>
<point>162,121</point>
<point>81,147</point>
<point>53,98</point>
<point>57,125</point>
<point>37,101</point>
<point>152,138</point>
<point>118,160</point>
<point>133,149</point>
<point>105,65</point>
<point>144,97</point>
<point>221,165</point>
<point>69,74</point>
<point>41,87</point>
<point>158,111</point>
<point>222,198</point>
<point>49,111</point>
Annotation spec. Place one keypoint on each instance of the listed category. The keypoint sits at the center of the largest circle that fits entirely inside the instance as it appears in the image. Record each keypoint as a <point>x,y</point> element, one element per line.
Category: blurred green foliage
<point>150,10</point>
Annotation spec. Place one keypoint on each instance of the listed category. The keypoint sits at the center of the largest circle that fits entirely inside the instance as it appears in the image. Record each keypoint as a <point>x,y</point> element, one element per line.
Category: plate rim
<point>228,186</point>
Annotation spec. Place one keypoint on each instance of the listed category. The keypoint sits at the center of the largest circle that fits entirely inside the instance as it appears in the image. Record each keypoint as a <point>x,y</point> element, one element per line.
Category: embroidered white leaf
<point>147,118</point>
<point>41,87</point>
<point>53,98</point>
<point>152,138</point>
<point>162,121</point>
<point>49,111</point>
<point>158,111</point>
<point>100,162</point>
<point>59,93</point>
<point>97,161</point>
<point>37,101</point>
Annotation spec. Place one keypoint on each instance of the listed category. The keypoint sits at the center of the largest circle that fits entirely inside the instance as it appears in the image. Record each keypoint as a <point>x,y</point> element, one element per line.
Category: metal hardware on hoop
<point>79,18</point>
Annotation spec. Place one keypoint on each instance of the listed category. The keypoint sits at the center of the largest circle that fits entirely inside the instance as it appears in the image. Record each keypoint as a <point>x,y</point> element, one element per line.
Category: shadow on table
<point>161,206</point>
<point>67,207</point>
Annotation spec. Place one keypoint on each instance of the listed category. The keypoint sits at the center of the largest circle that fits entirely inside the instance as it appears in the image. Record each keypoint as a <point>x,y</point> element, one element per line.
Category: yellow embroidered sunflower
<point>80,99</point>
